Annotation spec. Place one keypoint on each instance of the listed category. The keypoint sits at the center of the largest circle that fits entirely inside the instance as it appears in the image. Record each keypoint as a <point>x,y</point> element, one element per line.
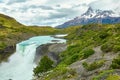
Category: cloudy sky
<point>52,12</point>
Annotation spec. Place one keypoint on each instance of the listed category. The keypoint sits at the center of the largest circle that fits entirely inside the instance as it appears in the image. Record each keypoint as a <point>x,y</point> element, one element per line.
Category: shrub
<point>2,45</point>
<point>85,64</point>
<point>61,69</point>
<point>107,47</point>
<point>116,63</point>
<point>102,75</point>
<point>93,66</point>
<point>72,59</point>
<point>87,53</point>
<point>103,35</point>
<point>116,48</point>
<point>44,65</point>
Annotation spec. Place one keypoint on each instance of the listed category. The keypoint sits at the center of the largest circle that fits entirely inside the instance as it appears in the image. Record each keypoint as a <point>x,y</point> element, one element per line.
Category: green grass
<point>61,72</point>
<point>113,77</point>
<point>102,74</point>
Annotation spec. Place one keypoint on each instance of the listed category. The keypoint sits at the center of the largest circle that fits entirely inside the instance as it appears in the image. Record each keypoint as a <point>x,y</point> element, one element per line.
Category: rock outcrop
<point>6,52</point>
<point>52,50</point>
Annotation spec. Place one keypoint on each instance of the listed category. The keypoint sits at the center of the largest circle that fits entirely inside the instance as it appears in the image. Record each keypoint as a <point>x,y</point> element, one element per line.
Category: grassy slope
<point>12,32</point>
<point>81,41</point>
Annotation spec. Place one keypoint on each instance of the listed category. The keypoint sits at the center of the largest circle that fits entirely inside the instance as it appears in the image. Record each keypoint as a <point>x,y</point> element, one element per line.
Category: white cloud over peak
<point>51,12</point>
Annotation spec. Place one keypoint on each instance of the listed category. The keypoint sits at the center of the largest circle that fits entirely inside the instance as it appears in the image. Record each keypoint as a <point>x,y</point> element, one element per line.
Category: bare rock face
<point>5,53</point>
<point>52,50</point>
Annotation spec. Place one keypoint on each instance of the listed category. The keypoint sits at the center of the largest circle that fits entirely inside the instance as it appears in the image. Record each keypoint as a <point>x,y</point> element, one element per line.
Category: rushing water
<point>21,63</point>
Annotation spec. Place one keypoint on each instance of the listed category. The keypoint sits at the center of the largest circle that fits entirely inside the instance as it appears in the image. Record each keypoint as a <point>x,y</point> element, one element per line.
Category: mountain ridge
<point>93,16</point>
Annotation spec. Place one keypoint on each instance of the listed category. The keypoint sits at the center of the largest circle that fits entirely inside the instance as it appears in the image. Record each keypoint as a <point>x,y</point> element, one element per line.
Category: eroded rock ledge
<point>52,50</point>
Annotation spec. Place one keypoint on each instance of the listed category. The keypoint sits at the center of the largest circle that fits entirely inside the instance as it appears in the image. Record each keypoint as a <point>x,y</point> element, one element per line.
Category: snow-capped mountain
<point>98,14</point>
<point>93,16</point>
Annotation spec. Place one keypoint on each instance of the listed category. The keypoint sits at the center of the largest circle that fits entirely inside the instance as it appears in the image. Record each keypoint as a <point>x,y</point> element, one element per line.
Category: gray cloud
<point>46,7</point>
<point>105,4</point>
<point>69,12</point>
<point>79,5</point>
<point>15,1</point>
<point>58,5</point>
<point>24,9</point>
<point>42,7</point>
<point>56,16</point>
<point>5,9</point>
<point>52,16</point>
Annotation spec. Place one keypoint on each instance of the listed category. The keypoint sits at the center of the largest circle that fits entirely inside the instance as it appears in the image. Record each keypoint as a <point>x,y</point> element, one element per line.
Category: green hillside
<point>12,32</point>
<point>94,47</point>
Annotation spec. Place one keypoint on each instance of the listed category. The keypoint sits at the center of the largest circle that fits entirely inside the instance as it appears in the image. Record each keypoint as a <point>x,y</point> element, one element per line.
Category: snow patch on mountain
<point>92,13</point>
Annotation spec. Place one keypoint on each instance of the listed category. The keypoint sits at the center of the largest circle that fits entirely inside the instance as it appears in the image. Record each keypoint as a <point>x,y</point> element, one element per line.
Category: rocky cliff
<point>52,50</point>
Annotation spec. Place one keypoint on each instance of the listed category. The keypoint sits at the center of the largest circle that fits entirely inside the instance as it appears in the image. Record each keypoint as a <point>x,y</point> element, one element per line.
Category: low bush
<point>107,47</point>
<point>103,74</point>
<point>44,65</point>
<point>60,70</point>
<point>116,63</point>
<point>87,52</point>
<point>116,48</point>
<point>2,45</point>
<point>93,66</point>
<point>72,59</point>
<point>103,35</point>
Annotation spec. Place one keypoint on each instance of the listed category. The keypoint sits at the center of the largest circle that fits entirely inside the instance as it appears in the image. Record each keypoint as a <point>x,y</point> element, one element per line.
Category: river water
<point>21,64</point>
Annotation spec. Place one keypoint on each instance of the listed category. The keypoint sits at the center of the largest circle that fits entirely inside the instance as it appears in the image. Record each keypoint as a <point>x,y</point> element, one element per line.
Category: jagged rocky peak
<point>97,13</point>
<point>89,11</point>
<point>87,14</point>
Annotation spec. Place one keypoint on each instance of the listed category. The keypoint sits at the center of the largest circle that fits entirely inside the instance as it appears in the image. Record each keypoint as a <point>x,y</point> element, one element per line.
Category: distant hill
<point>93,16</point>
<point>8,21</point>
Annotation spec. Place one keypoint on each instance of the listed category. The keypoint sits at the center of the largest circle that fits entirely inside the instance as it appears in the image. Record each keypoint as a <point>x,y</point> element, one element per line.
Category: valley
<point>88,51</point>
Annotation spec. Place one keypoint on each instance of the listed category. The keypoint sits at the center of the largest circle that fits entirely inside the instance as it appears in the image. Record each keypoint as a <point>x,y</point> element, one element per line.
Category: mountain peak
<point>90,9</point>
<point>89,13</point>
<point>94,16</point>
<point>92,13</point>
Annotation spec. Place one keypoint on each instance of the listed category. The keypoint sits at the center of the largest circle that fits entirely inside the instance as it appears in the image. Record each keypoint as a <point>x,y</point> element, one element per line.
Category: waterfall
<point>21,63</point>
